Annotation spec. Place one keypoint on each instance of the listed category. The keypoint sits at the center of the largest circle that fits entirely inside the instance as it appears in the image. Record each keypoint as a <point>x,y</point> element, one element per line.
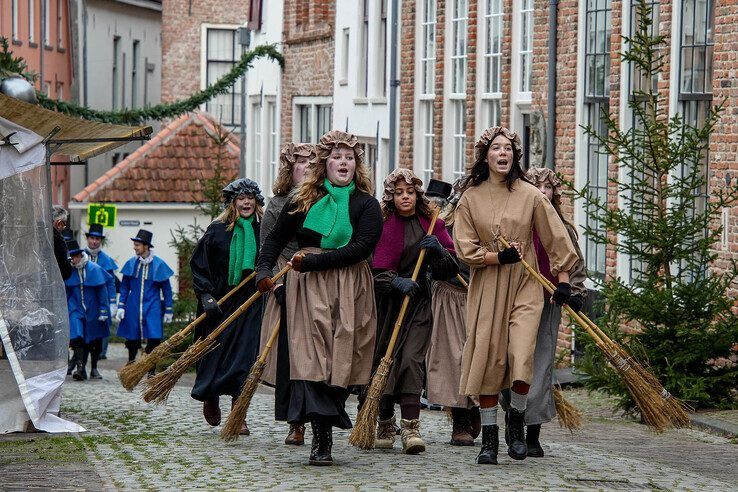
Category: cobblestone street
<point>132,445</point>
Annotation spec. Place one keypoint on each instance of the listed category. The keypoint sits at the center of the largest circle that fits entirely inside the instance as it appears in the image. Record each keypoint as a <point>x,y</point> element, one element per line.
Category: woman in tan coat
<point>504,302</point>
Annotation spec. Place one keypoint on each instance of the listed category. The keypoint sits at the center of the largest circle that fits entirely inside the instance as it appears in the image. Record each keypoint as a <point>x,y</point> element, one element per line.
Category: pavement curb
<point>704,421</point>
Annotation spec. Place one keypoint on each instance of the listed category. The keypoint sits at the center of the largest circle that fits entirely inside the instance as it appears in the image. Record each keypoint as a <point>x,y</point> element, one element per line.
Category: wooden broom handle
<point>463,282</point>
<point>549,287</point>
<point>187,329</point>
<point>242,309</point>
<point>406,299</point>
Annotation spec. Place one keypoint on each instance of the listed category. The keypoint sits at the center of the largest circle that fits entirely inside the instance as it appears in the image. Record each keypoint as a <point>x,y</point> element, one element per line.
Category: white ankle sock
<point>489,415</point>
<point>517,401</point>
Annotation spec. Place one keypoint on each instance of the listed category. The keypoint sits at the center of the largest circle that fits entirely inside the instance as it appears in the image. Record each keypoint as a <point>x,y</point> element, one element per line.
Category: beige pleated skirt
<point>268,320</point>
<point>443,363</point>
<point>331,324</point>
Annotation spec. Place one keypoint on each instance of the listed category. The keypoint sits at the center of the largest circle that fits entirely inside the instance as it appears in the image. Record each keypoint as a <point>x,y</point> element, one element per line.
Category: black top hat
<point>439,189</point>
<point>144,236</point>
<point>96,230</point>
<point>73,247</point>
<point>67,234</point>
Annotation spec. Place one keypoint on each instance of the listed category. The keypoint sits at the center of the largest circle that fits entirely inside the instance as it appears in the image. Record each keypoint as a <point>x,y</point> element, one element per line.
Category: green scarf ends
<point>329,216</point>
<point>243,249</point>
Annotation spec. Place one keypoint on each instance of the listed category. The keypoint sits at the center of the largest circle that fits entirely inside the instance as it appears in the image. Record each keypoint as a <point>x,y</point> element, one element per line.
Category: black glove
<point>432,244</point>
<point>278,293</point>
<point>562,294</point>
<point>210,305</point>
<point>576,302</point>
<point>405,286</point>
<point>508,256</point>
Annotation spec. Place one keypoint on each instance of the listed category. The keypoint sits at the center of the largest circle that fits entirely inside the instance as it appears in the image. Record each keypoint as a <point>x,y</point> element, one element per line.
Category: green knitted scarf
<point>329,216</point>
<point>243,249</point>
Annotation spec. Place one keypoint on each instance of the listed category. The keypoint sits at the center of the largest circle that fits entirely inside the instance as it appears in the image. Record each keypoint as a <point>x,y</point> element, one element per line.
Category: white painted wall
<point>160,219</point>
<point>263,88</point>
<point>351,110</point>
<point>130,20</point>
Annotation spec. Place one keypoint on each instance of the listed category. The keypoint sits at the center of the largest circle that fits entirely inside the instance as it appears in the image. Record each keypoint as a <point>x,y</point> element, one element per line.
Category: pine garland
<point>166,110</point>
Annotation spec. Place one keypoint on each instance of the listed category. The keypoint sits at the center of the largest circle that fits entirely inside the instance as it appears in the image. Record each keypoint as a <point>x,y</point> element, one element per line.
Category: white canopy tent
<point>34,324</point>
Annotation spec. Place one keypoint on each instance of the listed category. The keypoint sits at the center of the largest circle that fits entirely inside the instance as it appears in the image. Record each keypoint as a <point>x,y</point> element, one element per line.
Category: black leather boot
<point>517,449</point>
<point>532,440</point>
<point>320,452</point>
<point>71,364</point>
<point>507,428</point>
<point>80,373</point>
<point>490,444</point>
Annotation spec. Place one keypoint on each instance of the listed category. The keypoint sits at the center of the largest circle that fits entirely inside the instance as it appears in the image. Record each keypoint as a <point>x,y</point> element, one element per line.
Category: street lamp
<point>244,39</point>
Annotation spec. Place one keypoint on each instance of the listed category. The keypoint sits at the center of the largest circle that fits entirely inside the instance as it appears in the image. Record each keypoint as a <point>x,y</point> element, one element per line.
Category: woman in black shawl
<point>223,257</point>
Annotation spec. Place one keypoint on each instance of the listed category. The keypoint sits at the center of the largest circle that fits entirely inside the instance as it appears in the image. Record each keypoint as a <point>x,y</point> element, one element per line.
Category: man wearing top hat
<point>140,308</point>
<point>87,304</point>
<point>97,255</point>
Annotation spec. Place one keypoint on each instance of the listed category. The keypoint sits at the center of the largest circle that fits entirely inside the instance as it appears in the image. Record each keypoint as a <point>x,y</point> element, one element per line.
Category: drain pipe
<point>553,27</point>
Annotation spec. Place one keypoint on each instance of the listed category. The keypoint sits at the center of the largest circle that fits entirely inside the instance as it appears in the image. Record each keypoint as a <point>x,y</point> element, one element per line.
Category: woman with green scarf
<point>226,254</point>
<point>331,316</point>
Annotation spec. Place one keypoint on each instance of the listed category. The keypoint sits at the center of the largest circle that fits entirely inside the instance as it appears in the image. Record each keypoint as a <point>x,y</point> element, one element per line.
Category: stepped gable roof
<point>169,168</point>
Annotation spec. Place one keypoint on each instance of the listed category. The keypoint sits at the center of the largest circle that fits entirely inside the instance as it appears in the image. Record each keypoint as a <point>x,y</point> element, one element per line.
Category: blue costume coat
<point>110,266</point>
<point>141,290</point>
<point>86,302</point>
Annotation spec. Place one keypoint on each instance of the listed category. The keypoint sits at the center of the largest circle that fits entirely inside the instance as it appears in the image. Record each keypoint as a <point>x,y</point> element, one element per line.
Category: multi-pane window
<point>639,90</point>
<point>14,16</point>
<point>134,73</point>
<point>370,159</point>
<point>428,48</point>
<point>491,97</point>
<point>313,121</point>
<point>257,141</point>
<point>695,74</point>
<point>273,121</point>
<point>458,107</point>
<point>596,108</point>
<point>345,56</point>
<point>382,62</point>
<point>426,92</point>
<point>459,19</point>
<point>526,44</point>
<point>116,73</point>
<point>364,51</point>
<point>221,54</point>
<point>428,137</point>
<point>31,21</point>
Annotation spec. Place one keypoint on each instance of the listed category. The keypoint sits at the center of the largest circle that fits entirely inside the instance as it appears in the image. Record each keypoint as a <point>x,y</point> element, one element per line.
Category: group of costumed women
<point>477,326</point>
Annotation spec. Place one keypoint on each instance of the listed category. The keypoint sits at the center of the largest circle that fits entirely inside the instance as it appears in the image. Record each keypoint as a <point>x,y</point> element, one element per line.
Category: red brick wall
<point>181,41</point>
<point>308,48</point>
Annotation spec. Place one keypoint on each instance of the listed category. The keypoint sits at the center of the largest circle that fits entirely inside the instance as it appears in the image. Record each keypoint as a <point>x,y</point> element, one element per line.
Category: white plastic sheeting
<point>34,324</point>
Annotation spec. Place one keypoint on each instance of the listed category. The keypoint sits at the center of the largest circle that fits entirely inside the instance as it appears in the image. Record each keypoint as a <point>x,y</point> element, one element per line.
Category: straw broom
<point>569,415</point>
<point>232,427</point>
<point>363,434</point>
<point>648,398</point>
<point>131,374</point>
<point>158,388</point>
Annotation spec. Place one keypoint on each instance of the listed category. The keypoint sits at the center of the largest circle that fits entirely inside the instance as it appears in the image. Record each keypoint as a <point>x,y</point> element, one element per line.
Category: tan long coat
<point>504,302</point>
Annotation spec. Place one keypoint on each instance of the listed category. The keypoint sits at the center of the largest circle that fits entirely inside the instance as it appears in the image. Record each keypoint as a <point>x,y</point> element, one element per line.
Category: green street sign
<point>99,213</point>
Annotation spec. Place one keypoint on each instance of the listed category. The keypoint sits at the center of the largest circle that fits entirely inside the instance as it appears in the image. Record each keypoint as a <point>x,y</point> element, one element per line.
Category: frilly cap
<point>289,153</point>
<point>336,137</point>
<point>242,186</point>
<point>491,133</point>
<point>538,175</point>
<point>401,173</point>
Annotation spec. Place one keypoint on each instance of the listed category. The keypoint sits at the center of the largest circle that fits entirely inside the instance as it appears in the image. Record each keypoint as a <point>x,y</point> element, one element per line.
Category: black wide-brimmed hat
<point>73,247</point>
<point>96,230</point>
<point>439,189</point>
<point>144,236</point>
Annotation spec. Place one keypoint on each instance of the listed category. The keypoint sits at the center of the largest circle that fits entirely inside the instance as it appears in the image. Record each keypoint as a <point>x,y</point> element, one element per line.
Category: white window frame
<point>47,23</point>
<point>272,120</point>
<point>31,21</point>
<point>59,24</point>
<point>345,50</point>
<point>14,19</point>
<point>204,72</point>
<point>425,96</point>
<point>363,74</point>
<point>256,135</point>
<point>454,140</point>
<point>313,102</point>
<point>489,101</point>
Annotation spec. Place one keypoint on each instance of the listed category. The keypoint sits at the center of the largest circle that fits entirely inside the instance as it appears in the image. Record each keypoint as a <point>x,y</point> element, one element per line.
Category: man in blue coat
<point>140,308</point>
<point>97,255</point>
<point>87,302</point>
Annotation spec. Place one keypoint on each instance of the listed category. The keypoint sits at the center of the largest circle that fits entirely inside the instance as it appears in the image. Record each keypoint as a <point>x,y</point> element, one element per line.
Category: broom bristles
<point>569,415</point>
<point>132,374</point>
<point>158,387</point>
<point>232,427</point>
<point>364,431</point>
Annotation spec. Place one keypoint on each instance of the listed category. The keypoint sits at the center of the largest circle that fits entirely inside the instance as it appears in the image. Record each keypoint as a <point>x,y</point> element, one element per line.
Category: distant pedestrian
<point>145,297</point>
